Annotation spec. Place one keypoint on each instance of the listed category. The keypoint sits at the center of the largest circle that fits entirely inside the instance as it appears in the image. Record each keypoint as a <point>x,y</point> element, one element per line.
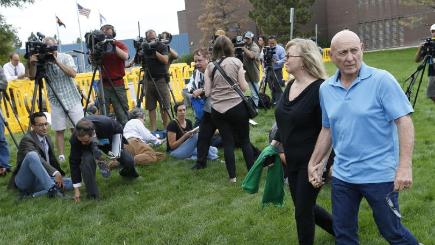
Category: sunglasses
<point>391,205</point>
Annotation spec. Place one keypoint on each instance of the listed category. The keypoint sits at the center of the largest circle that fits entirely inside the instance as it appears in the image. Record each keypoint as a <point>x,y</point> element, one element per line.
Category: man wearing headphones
<point>156,86</point>
<point>113,71</point>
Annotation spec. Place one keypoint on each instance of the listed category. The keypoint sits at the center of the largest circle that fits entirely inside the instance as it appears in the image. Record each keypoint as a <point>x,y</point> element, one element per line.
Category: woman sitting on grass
<point>182,138</point>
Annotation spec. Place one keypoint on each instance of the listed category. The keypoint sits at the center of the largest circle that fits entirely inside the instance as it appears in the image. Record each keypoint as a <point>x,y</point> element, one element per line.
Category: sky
<point>160,15</point>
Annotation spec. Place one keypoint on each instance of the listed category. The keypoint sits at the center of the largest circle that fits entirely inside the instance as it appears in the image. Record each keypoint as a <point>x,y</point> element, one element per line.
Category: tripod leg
<point>3,120</point>
<point>90,91</point>
<point>117,96</point>
<point>32,108</point>
<point>8,99</point>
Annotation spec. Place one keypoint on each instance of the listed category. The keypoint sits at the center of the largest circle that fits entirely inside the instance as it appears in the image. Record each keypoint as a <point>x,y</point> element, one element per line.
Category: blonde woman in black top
<point>298,117</point>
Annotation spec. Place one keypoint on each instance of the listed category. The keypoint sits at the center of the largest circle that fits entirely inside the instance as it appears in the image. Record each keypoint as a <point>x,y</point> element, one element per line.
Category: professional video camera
<point>99,44</point>
<point>146,49</point>
<point>239,43</point>
<point>36,46</point>
<point>429,47</point>
<point>268,55</point>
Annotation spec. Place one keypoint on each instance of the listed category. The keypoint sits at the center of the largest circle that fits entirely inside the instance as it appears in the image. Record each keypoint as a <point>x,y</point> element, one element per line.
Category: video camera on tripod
<point>146,49</point>
<point>36,46</point>
<point>428,47</point>
<point>268,55</point>
<point>99,44</point>
<point>238,43</point>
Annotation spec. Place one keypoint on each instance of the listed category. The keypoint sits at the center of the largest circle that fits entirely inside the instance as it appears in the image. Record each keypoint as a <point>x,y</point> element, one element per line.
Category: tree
<point>8,37</point>
<point>219,14</point>
<point>273,17</point>
<point>8,40</point>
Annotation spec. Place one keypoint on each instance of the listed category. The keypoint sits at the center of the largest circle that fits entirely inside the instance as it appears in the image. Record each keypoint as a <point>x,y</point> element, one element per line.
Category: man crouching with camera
<point>60,71</point>
<point>156,59</point>
<point>428,49</point>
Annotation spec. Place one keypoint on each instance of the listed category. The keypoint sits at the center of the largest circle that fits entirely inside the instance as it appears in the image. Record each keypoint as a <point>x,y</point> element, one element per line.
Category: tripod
<point>413,78</point>
<point>271,79</point>
<point>37,90</point>
<point>4,122</point>
<point>141,91</point>
<point>100,96</point>
<point>7,99</point>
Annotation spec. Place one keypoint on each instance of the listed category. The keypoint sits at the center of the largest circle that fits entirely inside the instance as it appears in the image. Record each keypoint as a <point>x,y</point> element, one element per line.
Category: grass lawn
<point>170,204</point>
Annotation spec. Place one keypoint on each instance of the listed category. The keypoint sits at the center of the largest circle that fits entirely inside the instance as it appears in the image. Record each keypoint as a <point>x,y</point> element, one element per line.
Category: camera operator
<point>158,90</point>
<point>421,54</point>
<point>114,68</point>
<point>251,56</point>
<point>278,58</point>
<point>60,70</point>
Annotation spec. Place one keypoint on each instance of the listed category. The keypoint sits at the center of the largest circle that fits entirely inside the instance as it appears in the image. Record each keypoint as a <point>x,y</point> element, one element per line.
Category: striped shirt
<point>63,84</point>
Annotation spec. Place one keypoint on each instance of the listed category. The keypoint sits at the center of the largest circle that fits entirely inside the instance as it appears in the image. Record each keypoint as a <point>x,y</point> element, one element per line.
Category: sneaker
<point>61,158</point>
<point>233,180</point>
<point>104,169</point>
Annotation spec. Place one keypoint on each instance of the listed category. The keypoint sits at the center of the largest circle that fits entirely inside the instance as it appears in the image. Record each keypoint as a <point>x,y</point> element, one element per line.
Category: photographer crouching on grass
<point>60,70</point>
<point>113,71</point>
<point>92,136</point>
<point>428,49</point>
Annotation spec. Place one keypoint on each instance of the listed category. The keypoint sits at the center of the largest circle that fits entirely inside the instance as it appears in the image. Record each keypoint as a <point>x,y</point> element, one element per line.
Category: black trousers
<point>88,168</point>
<point>307,213</point>
<point>234,123</point>
<point>206,132</point>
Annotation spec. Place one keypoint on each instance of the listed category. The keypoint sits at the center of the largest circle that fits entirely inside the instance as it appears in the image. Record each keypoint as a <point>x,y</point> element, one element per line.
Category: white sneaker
<point>233,180</point>
<point>61,158</point>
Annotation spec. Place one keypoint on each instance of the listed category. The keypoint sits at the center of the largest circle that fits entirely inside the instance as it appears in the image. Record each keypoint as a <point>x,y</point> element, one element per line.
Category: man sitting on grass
<point>38,172</point>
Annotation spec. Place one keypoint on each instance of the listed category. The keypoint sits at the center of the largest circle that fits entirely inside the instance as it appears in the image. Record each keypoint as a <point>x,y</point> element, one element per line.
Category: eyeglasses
<point>391,205</point>
<point>42,125</point>
<point>289,55</point>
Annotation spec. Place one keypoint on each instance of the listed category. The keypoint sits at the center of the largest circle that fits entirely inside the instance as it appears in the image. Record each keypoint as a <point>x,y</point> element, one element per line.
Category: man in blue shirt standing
<point>278,62</point>
<point>366,119</point>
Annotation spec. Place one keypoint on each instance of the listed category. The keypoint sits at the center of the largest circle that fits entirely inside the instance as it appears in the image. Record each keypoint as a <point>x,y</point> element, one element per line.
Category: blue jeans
<point>33,179</point>
<point>4,152</point>
<point>254,92</point>
<point>346,199</point>
<point>188,149</point>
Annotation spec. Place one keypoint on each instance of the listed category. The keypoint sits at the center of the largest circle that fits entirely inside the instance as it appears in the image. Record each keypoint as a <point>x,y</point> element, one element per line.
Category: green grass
<point>170,204</point>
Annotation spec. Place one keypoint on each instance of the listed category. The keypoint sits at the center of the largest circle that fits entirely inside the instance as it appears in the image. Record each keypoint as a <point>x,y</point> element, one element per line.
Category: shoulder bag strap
<point>215,67</point>
<point>230,80</point>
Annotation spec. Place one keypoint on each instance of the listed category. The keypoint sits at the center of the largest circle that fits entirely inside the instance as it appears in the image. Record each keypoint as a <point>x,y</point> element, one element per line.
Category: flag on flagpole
<point>59,22</point>
<point>83,11</point>
<point>102,19</point>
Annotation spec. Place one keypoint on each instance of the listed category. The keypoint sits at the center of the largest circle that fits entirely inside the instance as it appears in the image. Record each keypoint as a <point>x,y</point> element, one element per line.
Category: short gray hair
<point>136,113</point>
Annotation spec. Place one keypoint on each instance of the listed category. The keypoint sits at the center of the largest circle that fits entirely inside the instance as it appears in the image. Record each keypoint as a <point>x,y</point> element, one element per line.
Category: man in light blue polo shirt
<point>366,119</point>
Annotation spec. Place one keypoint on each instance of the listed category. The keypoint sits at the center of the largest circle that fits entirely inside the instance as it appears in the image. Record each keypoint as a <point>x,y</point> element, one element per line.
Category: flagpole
<point>81,41</point>
<point>58,36</point>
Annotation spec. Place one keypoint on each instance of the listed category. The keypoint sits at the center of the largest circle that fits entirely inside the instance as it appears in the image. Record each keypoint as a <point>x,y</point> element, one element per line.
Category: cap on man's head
<point>249,35</point>
<point>432,28</point>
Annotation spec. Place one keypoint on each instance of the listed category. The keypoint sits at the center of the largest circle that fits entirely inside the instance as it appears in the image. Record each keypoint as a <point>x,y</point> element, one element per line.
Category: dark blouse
<point>173,127</point>
<point>299,124</point>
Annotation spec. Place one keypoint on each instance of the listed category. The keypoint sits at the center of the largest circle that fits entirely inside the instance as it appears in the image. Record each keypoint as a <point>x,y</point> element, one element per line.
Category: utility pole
<point>292,15</point>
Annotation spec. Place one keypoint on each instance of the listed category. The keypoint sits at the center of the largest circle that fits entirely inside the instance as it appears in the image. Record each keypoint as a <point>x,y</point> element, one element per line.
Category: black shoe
<point>198,166</point>
<point>54,191</point>
<point>129,172</point>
